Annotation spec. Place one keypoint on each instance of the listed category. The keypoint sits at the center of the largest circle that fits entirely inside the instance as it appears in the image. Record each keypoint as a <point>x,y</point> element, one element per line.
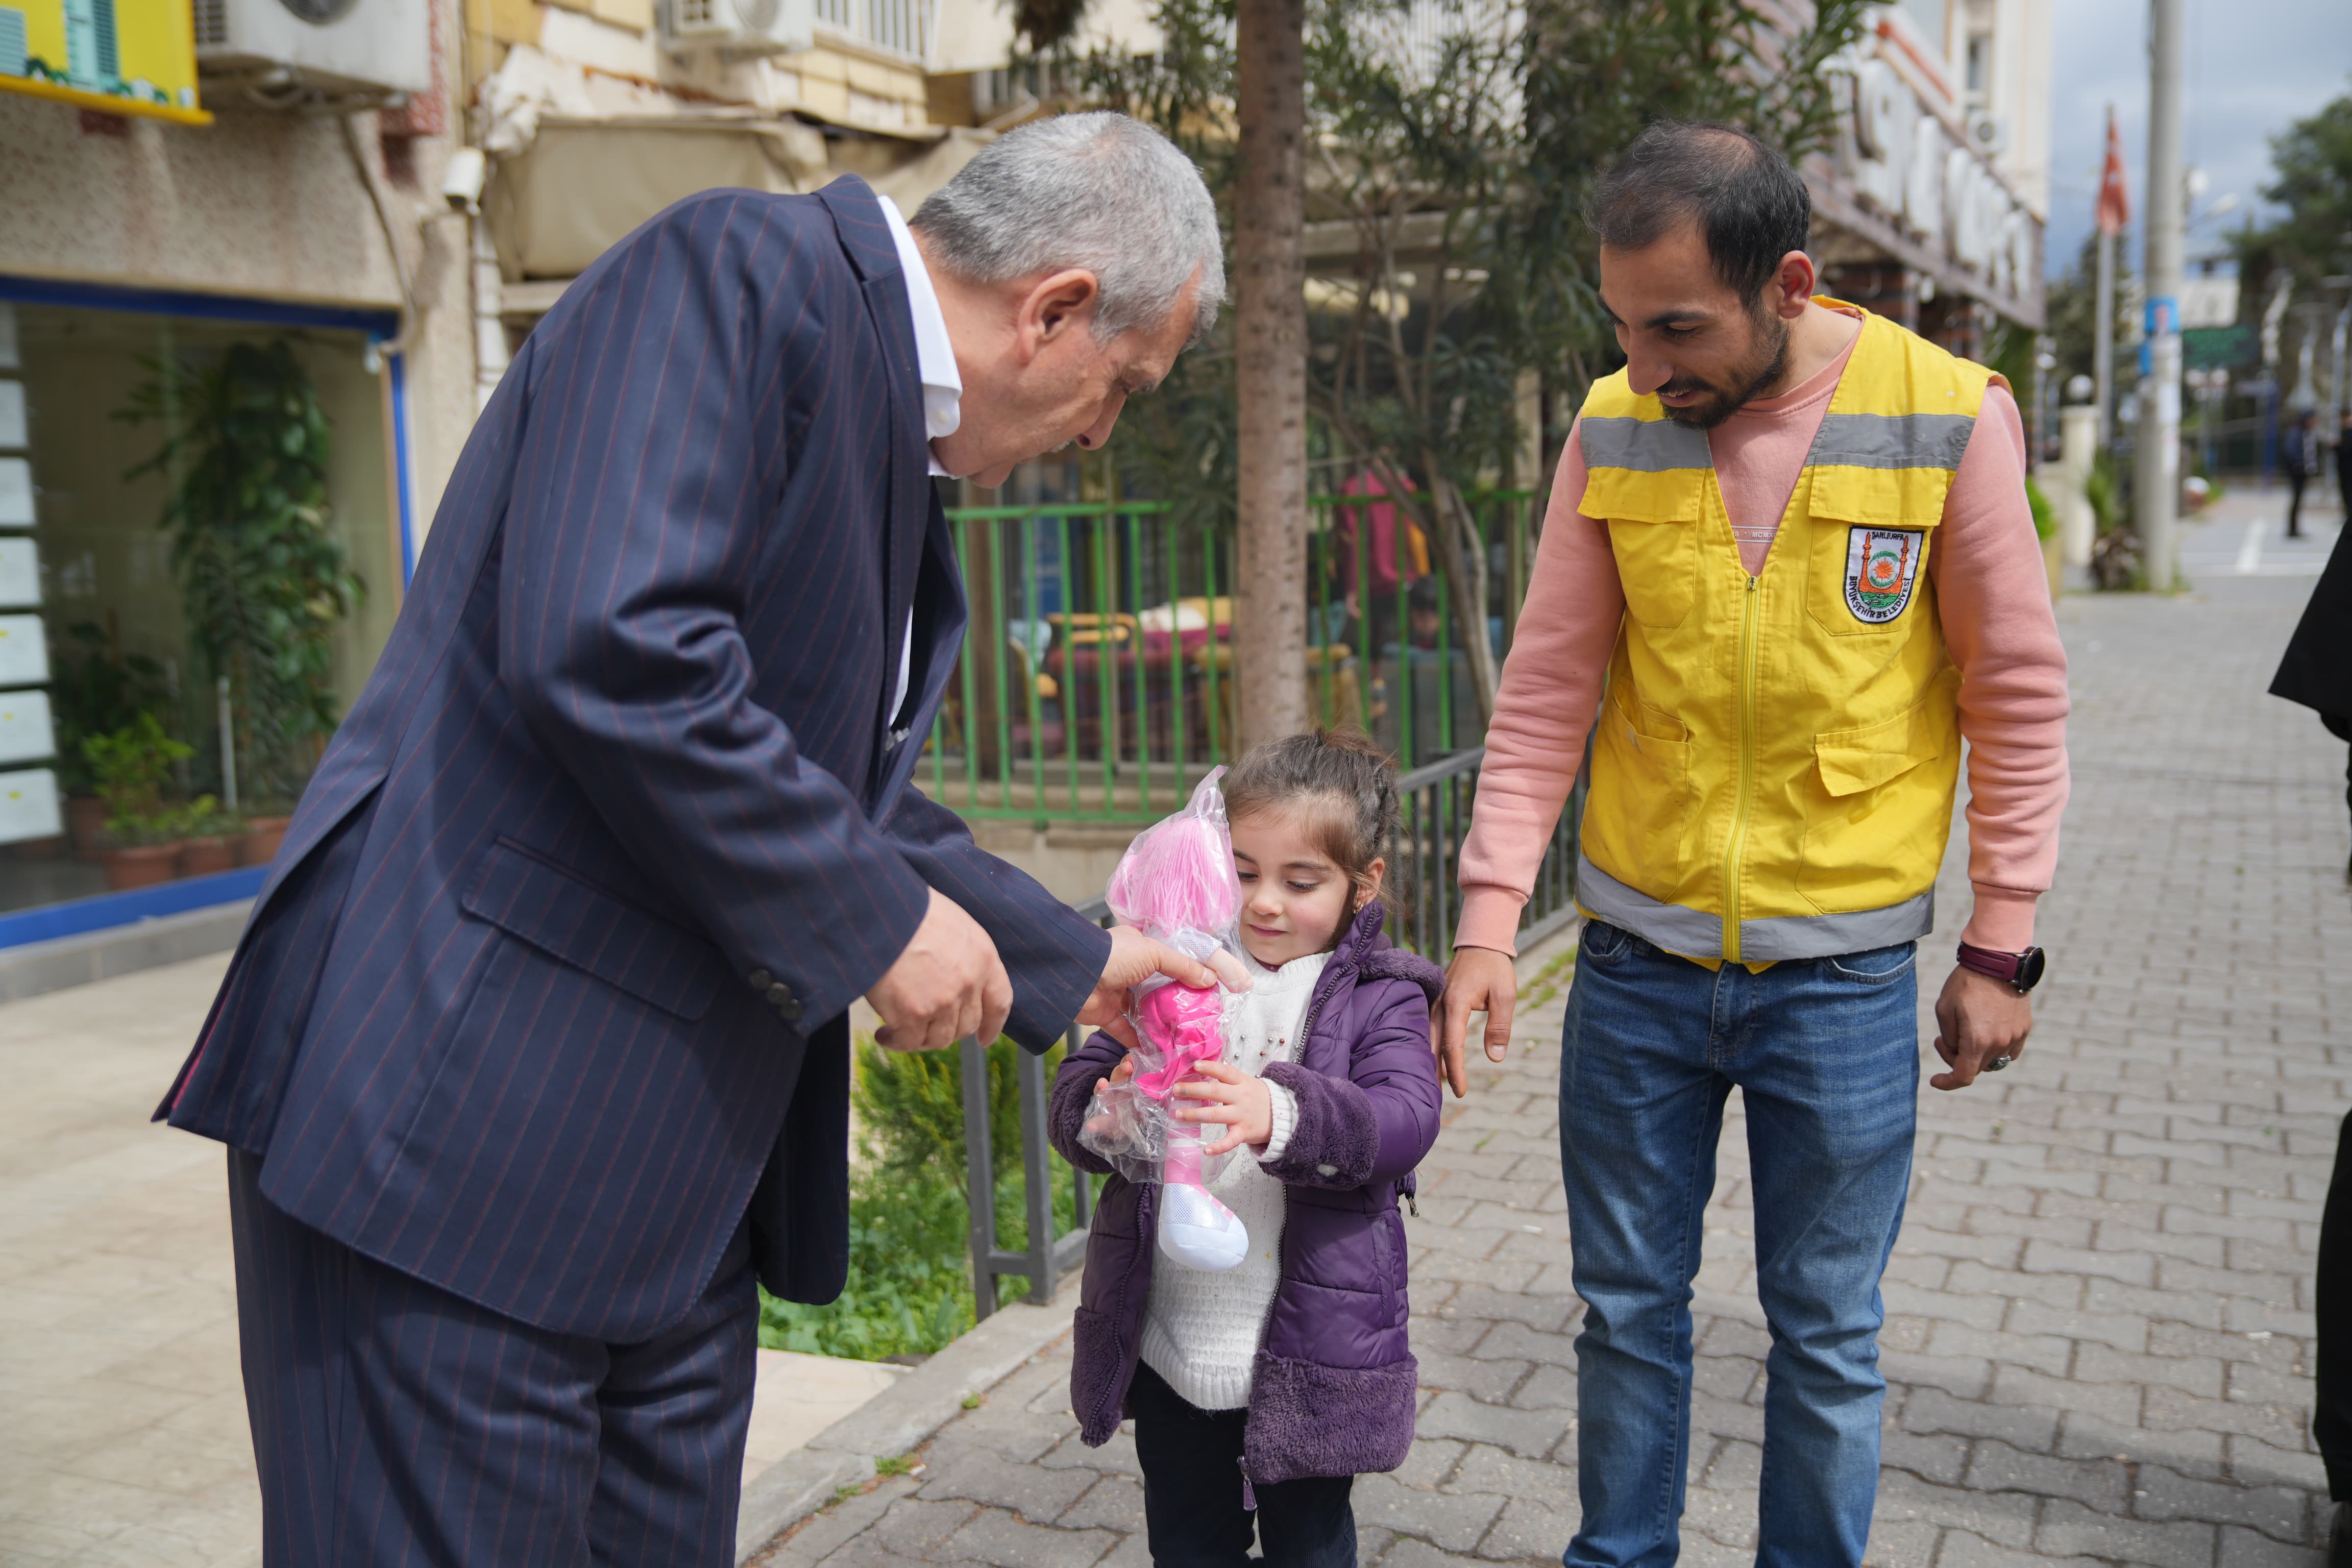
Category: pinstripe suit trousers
<point>398,1426</point>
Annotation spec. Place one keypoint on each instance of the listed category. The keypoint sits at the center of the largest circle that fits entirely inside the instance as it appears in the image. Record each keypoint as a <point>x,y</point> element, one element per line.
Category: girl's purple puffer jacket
<point>1332,1392</point>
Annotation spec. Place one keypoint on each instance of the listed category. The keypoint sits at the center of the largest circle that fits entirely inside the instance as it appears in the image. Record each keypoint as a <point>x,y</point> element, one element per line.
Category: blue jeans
<point>1826,1053</point>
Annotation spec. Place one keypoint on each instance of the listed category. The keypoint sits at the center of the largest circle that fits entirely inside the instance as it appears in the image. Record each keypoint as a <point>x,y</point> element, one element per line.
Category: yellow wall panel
<point>636,13</point>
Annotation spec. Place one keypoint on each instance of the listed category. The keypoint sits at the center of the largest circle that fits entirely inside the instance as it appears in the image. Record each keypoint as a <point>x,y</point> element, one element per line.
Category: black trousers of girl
<point>1195,1511</point>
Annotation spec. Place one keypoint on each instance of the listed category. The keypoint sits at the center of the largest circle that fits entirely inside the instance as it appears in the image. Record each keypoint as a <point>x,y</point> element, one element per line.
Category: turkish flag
<point>2115,194</point>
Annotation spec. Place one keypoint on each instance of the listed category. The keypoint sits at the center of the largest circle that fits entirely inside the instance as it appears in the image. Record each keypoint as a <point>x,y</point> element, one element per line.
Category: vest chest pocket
<point>1653,534</point>
<point>1658,565</point>
<point>1871,532</point>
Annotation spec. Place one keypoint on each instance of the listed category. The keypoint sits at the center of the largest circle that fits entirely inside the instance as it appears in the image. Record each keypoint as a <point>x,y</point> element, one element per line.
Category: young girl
<point>1265,1390</point>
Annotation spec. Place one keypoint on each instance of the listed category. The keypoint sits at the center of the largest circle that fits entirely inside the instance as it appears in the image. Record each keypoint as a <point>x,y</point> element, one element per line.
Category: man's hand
<point>1238,1101</point>
<point>1135,958</point>
<point>1479,980</point>
<point>949,982</point>
<point>1976,1019</point>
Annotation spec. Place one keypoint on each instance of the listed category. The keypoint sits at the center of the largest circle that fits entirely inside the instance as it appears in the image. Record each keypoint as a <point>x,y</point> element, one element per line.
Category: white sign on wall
<point>13,431</point>
<point>23,657</point>
<point>1905,165</point>
<point>15,493</point>
<point>20,572</point>
<point>27,733</point>
<point>28,805</point>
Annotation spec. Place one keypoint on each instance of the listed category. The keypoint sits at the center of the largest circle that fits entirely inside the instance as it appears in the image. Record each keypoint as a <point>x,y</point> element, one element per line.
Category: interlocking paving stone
<point>2098,1341</point>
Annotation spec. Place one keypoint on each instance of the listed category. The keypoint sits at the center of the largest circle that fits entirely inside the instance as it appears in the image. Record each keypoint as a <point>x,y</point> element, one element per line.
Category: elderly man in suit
<point>534,1055</point>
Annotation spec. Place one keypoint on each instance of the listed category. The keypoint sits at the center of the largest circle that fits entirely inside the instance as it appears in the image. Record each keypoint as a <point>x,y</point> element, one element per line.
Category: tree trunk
<point>1270,352</point>
<point>1464,563</point>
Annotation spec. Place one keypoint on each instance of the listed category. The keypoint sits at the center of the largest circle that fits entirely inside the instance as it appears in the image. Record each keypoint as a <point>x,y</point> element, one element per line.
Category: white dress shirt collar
<point>934,355</point>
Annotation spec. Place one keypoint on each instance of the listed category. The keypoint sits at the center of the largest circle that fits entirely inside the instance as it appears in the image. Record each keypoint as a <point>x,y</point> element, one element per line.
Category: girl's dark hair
<point>1342,781</point>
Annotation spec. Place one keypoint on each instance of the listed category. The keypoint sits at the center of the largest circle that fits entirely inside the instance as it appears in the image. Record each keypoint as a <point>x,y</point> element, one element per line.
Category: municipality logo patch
<point>1880,565</point>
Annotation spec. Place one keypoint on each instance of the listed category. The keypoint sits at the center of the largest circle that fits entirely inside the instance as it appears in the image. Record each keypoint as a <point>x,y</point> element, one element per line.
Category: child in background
<point>1260,1394</point>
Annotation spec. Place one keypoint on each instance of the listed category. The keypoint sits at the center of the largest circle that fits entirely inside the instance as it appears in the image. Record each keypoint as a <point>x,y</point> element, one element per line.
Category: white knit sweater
<point>1201,1331</point>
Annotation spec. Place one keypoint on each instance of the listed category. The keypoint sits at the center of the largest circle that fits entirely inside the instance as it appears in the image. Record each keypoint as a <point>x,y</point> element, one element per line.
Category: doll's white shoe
<point>1199,1232</point>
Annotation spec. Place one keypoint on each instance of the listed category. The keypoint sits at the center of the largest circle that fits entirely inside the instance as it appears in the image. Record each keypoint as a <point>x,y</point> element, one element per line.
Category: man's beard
<point>1771,361</point>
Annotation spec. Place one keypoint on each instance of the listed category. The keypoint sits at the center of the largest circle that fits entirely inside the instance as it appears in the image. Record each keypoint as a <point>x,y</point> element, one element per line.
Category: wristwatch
<point>2021,969</point>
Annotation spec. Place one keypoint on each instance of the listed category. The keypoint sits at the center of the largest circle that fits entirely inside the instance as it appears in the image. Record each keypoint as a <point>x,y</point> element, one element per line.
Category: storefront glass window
<point>181,500</point>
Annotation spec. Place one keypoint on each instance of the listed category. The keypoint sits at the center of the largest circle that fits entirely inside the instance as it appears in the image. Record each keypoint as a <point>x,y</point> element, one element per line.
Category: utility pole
<point>2115,213</point>
<point>2156,469</point>
<point>1270,684</point>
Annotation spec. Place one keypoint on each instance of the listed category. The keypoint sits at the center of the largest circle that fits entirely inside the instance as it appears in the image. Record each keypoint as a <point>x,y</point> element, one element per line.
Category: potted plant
<point>264,578</point>
<point>128,767</point>
<point>208,837</point>
<point>261,835</point>
<point>95,688</point>
<point>144,848</point>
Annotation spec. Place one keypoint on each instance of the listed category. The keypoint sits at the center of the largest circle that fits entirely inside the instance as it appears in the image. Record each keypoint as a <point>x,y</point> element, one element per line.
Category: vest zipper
<point>1745,798</point>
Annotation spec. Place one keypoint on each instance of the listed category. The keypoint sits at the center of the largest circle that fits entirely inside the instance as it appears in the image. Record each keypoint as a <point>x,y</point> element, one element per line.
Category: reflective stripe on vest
<point>1774,765</point>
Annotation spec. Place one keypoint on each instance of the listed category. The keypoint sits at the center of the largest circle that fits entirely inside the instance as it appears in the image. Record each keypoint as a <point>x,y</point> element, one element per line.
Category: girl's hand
<point>1239,1099</point>
<point>1100,1126</point>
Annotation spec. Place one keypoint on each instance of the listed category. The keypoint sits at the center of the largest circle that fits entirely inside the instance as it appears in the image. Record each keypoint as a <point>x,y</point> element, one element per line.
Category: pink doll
<point>1176,882</point>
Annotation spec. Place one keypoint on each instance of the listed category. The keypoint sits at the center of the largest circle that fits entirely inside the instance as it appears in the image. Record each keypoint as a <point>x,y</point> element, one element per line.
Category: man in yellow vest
<point>1788,570</point>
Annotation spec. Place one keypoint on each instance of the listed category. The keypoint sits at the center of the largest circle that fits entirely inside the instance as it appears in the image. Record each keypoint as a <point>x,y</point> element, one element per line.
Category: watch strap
<point>2010,967</point>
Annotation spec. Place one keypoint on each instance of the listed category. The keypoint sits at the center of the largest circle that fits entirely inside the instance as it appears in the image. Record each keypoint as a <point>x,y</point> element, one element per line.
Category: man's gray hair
<point>1098,191</point>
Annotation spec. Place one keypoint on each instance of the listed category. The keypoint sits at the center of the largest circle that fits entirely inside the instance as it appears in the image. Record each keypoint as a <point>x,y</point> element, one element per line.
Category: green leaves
<point>1449,158</point>
<point>910,1289</point>
<point>263,576</point>
<point>96,690</point>
<point>2313,160</point>
<point>127,769</point>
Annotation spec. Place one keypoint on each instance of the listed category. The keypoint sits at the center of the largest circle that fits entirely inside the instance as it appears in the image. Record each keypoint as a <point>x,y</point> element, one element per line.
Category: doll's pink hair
<point>1178,876</point>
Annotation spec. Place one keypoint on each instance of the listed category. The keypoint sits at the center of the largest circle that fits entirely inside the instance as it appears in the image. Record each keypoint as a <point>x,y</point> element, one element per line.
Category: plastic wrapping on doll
<point>1176,883</point>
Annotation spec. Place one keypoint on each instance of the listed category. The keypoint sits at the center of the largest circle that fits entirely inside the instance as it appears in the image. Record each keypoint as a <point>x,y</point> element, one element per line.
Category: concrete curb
<point>896,1420</point>
<point>35,968</point>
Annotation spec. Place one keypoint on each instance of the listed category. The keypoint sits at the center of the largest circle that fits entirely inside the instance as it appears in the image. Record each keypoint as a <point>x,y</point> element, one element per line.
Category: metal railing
<point>1048,1256</point>
<point>1096,682</point>
<point>1435,811</point>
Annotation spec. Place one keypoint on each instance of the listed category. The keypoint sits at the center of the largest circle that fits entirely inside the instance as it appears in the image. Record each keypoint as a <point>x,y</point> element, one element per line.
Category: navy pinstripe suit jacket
<point>494,1022</point>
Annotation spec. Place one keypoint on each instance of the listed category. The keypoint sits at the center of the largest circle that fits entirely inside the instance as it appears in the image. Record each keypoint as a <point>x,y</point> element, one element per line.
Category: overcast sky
<point>2254,67</point>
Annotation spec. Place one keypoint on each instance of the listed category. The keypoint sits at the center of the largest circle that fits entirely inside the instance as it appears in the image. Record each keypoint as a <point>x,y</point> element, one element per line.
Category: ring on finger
<point>1996,1064</point>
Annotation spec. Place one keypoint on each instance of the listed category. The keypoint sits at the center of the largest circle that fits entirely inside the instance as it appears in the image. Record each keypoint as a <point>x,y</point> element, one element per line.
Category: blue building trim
<point>207,307</point>
<point>83,916</point>
<point>396,366</point>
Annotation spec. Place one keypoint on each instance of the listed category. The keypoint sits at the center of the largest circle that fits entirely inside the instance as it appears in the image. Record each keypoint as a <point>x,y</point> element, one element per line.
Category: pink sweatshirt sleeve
<point>1993,595</point>
<point>1551,687</point>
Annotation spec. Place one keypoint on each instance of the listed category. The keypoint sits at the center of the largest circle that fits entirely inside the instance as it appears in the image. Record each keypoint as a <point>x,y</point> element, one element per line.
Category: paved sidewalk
<point>2099,1312</point>
<point>122,1429</point>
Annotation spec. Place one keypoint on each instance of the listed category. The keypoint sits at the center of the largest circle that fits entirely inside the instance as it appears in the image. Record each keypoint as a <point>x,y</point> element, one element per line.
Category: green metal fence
<point>1096,683</point>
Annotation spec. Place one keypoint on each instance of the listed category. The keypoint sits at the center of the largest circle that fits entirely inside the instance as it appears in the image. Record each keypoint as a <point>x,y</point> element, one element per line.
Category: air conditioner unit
<point>378,49</point>
<point>739,26</point>
<point>1988,133</point>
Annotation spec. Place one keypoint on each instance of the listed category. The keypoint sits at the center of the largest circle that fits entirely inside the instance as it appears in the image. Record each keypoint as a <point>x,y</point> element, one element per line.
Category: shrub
<point>2046,515</point>
<point>910,1289</point>
<point>128,768</point>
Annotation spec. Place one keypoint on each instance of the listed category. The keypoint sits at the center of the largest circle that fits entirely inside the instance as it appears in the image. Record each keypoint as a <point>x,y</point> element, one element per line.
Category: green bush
<point>128,768</point>
<point>910,1290</point>
<point>95,690</point>
<point>2046,515</point>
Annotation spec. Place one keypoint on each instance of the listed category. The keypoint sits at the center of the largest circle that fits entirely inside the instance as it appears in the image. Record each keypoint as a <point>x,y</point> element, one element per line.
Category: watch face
<point>2030,964</point>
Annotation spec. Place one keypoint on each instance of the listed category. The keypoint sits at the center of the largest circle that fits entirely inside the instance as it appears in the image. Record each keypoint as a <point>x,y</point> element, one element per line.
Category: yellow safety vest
<point>1774,764</point>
